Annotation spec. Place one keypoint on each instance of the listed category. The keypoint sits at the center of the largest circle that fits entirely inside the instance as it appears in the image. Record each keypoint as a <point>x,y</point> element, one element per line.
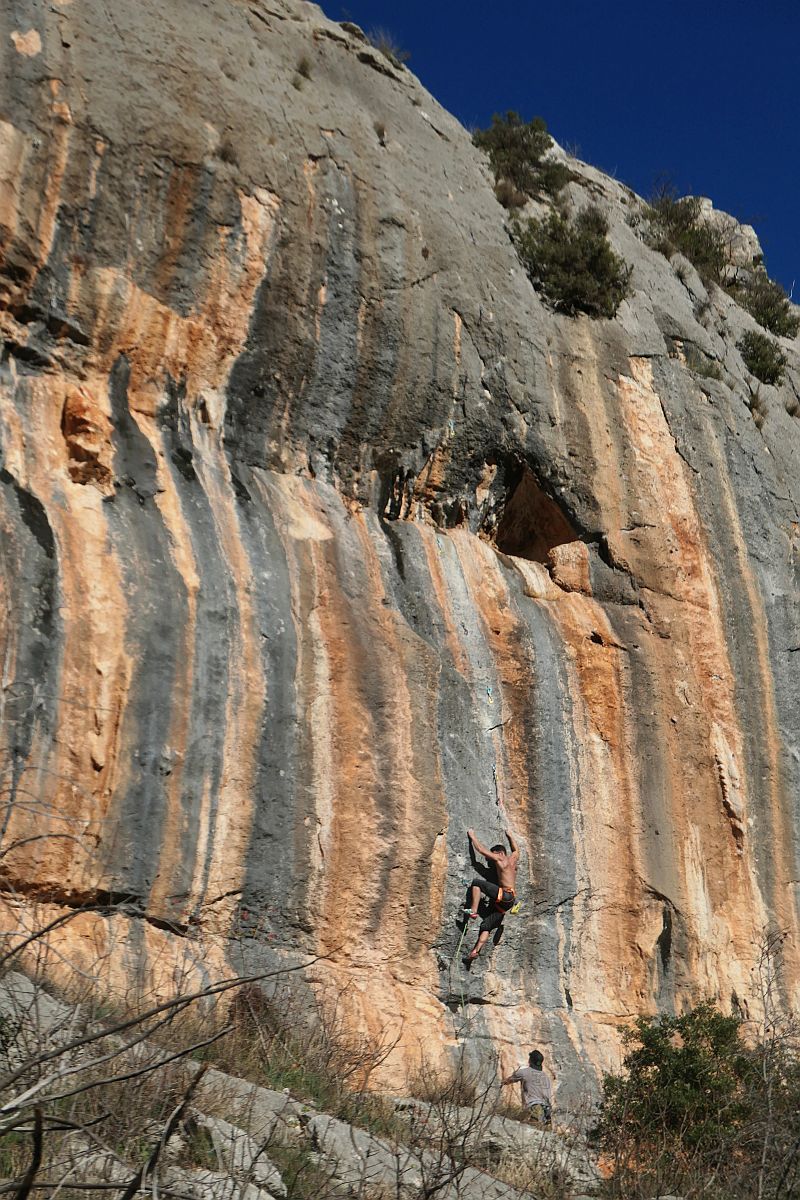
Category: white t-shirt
<point>536,1086</point>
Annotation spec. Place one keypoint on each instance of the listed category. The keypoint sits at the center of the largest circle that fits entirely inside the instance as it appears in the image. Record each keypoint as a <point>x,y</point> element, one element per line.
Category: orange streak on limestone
<point>58,146</point>
<point>163,901</point>
<point>13,155</point>
<point>674,562</point>
<point>199,349</point>
<point>505,638</point>
<point>246,689</point>
<point>433,558</point>
<point>95,670</point>
<point>383,980</point>
<point>29,44</point>
<point>783,837</point>
<point>607,973</point>
<point>362,837</point>
<point>91,957</point>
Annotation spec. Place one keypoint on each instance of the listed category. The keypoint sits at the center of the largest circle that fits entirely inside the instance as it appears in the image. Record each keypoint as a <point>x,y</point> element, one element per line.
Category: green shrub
<point>683,1081</point>
<point>698,1110</point>
<point>762,357</point>
<point>676,225</point>
<point>552,176</point>
<point>767,301</point>
<point>517,152</point>
<point>572,263</point>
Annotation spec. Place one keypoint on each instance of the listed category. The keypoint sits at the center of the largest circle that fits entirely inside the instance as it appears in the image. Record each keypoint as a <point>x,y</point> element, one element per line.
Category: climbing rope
<point>460,974</point>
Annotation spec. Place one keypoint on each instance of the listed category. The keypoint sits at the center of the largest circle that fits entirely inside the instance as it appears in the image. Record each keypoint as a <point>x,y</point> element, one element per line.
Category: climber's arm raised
<point>487,854</point>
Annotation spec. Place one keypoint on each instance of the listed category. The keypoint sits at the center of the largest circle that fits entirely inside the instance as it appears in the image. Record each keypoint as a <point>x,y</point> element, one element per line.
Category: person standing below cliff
<point>502,894</point>
<point>537,1089</point>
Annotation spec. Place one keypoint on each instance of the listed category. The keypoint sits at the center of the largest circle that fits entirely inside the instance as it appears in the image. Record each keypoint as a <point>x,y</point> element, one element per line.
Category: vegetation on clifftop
<point>676,226</point>
<point>517,153</point>
<point>767,301</point>
<point>762,356</point>
<point>572,263</point>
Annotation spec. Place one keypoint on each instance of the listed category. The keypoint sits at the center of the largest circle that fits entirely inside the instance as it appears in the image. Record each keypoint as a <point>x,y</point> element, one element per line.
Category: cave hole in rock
<point>532,523</point>
<point>664,939</point>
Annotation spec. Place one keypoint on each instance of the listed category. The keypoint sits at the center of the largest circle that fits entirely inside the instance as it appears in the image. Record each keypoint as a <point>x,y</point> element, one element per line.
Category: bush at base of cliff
<point>676,225</point>
<point>517,152</point>
<point>767,301</point>
<point>699,1111</point>
<point>762,357</point>
<point>572,263</point>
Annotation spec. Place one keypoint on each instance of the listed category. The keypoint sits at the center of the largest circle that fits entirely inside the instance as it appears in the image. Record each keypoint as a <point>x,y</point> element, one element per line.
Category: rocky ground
<point>231,1139</point>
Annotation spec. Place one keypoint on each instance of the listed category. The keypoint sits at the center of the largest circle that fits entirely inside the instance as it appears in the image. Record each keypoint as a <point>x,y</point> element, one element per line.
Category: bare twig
<point>170,1127</point>
<point>102,909</point>
<point>125,1076</point>
<point>36,1157</point>
<point>167,1006</point>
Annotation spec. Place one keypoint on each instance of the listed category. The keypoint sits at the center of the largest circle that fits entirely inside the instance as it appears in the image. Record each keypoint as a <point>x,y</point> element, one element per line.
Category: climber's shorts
<point>494,918</point>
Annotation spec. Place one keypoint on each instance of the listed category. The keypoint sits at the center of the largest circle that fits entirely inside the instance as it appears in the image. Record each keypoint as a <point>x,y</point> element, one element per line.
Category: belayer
<point>537,1089</point>
<point>502,894</point>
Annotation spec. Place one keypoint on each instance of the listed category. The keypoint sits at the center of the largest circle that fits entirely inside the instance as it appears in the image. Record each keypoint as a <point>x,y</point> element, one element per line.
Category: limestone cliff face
<point>323,539</point>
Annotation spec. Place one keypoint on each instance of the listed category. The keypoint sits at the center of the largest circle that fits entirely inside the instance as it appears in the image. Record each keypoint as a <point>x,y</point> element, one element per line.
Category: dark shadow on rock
<point>485,870</point>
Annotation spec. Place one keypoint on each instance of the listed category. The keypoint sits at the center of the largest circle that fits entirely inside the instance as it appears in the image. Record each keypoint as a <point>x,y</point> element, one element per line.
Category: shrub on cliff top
<point>676,225</point>
<point>762,357</point>
<point>767,301</point>
<point>572,263</point>
<point>516,151</point>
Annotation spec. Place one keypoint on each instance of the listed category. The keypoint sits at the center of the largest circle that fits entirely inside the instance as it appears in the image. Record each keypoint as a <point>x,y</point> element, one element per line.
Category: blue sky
<point>705,91</point>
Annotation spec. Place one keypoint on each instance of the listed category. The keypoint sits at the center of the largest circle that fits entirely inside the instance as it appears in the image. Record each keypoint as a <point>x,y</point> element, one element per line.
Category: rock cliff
<point>324,539</point>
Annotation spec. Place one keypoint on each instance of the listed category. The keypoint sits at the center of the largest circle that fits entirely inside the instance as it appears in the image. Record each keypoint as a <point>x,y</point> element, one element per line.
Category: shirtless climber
<point>502,894</point>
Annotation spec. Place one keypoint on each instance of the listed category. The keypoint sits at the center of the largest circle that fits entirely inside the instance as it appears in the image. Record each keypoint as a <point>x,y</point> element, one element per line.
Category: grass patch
<point>305,1177</point>
<point>15,1154</point>
<point>386,43</point>
<point>530,1178</point>
<point>700,364</point>
<point>281,1042</point>
<point>458,1087</point>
